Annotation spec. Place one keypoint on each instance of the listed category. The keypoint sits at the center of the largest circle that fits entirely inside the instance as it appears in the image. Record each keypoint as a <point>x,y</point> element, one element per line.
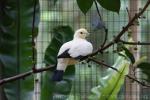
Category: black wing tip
<point>65,54</point>
<point>58,75</point>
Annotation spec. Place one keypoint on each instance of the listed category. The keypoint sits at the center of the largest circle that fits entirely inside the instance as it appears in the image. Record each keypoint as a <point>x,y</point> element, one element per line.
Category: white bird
<point>71,52</point>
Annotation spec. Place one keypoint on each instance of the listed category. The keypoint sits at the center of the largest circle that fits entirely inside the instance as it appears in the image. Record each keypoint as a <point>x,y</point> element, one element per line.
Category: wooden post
<point>132,88</point>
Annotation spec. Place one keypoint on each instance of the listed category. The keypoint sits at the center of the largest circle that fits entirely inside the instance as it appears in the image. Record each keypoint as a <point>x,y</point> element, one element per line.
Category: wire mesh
<point>66,12</point>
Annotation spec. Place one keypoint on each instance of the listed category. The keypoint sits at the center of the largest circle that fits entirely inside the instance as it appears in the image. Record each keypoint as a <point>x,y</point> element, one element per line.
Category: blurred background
<point>66,12</point>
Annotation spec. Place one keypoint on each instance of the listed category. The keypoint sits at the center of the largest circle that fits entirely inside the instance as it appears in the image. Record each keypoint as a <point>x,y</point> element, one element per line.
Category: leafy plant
<point>128,54</point>
<point>50,89</point>
<point>55,2</point>
<point>85,5</point>
<point>109,5</point>
<point>15,45</point>
<point>110,85</point>
<point>145,67</point>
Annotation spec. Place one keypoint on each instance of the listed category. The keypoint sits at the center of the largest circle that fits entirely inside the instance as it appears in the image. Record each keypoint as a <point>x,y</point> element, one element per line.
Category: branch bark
<point>24,75</point>
<point>135,43</point>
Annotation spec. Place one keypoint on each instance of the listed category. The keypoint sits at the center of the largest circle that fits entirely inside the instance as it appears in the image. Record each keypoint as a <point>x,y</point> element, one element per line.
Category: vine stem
<point>106,30</point>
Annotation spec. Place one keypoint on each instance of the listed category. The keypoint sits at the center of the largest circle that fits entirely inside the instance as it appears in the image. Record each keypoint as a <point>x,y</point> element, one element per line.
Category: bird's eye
<point>81,32</point>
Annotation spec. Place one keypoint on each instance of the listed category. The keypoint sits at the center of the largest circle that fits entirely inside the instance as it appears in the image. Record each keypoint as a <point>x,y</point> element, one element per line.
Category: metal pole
<point>132,88</point>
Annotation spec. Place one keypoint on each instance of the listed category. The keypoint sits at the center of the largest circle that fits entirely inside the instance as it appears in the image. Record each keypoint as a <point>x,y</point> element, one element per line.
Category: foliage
<point>55,2</point>
<point>145,67</point>
<point>85,5</point>
<point>52,89</point>
<point>128,54</point>
<point>109,5</point>
<point>15,45</point>
<point>110,85</point>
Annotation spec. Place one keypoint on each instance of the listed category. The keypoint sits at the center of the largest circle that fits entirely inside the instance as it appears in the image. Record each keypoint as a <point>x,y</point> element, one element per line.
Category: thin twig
<point>96,5</point>
<point>139,82</point>
<point>16,77</point>
<point>105,39</point>
<point>117,38</point>
<point>129,16</point>
<point>130,77</point>
<point>102,63</point>
<point>135,43</point>
<point>106,30</point>
<point>23,75</point>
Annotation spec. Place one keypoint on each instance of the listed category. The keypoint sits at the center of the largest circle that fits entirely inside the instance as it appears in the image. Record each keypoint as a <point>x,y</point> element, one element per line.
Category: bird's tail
<point>58,75</point>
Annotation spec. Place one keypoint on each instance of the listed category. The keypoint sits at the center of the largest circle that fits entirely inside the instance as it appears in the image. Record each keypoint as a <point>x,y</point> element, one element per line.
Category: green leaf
<point>55,90</point>
<point>110,5</point>
<point>129,54</point>
<point>55,1</point>
<point>16,45</point>
<point>85,5</point>
<point>119,46</point>
<point>110,85</point>
<point>145,67</point>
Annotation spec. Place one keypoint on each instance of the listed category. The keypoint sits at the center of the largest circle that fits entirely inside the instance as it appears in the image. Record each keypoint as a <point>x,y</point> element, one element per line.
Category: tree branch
<point>135,43</point>
<point>117,38</point>
<point>139,82</point>
<point>132,21</point>
<point>13,78</point>
<point>101,49</point>
<point>130,77</point>
<point>102,63</point>
<point>24,75</point>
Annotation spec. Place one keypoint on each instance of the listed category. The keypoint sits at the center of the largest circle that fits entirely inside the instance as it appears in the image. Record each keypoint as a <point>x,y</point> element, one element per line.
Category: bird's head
<point>81,33</point>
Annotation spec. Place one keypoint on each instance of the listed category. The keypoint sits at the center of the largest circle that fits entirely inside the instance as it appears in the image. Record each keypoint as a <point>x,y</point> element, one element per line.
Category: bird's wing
<point>66,54</point>
<point>77,50</point>
<point>63,52</point>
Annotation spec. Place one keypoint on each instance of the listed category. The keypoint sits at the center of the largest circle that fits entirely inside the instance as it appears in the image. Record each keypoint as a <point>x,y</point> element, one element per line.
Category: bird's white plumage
<point>75,48</point>
<point>79,46</point>
<point>64,47</point>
